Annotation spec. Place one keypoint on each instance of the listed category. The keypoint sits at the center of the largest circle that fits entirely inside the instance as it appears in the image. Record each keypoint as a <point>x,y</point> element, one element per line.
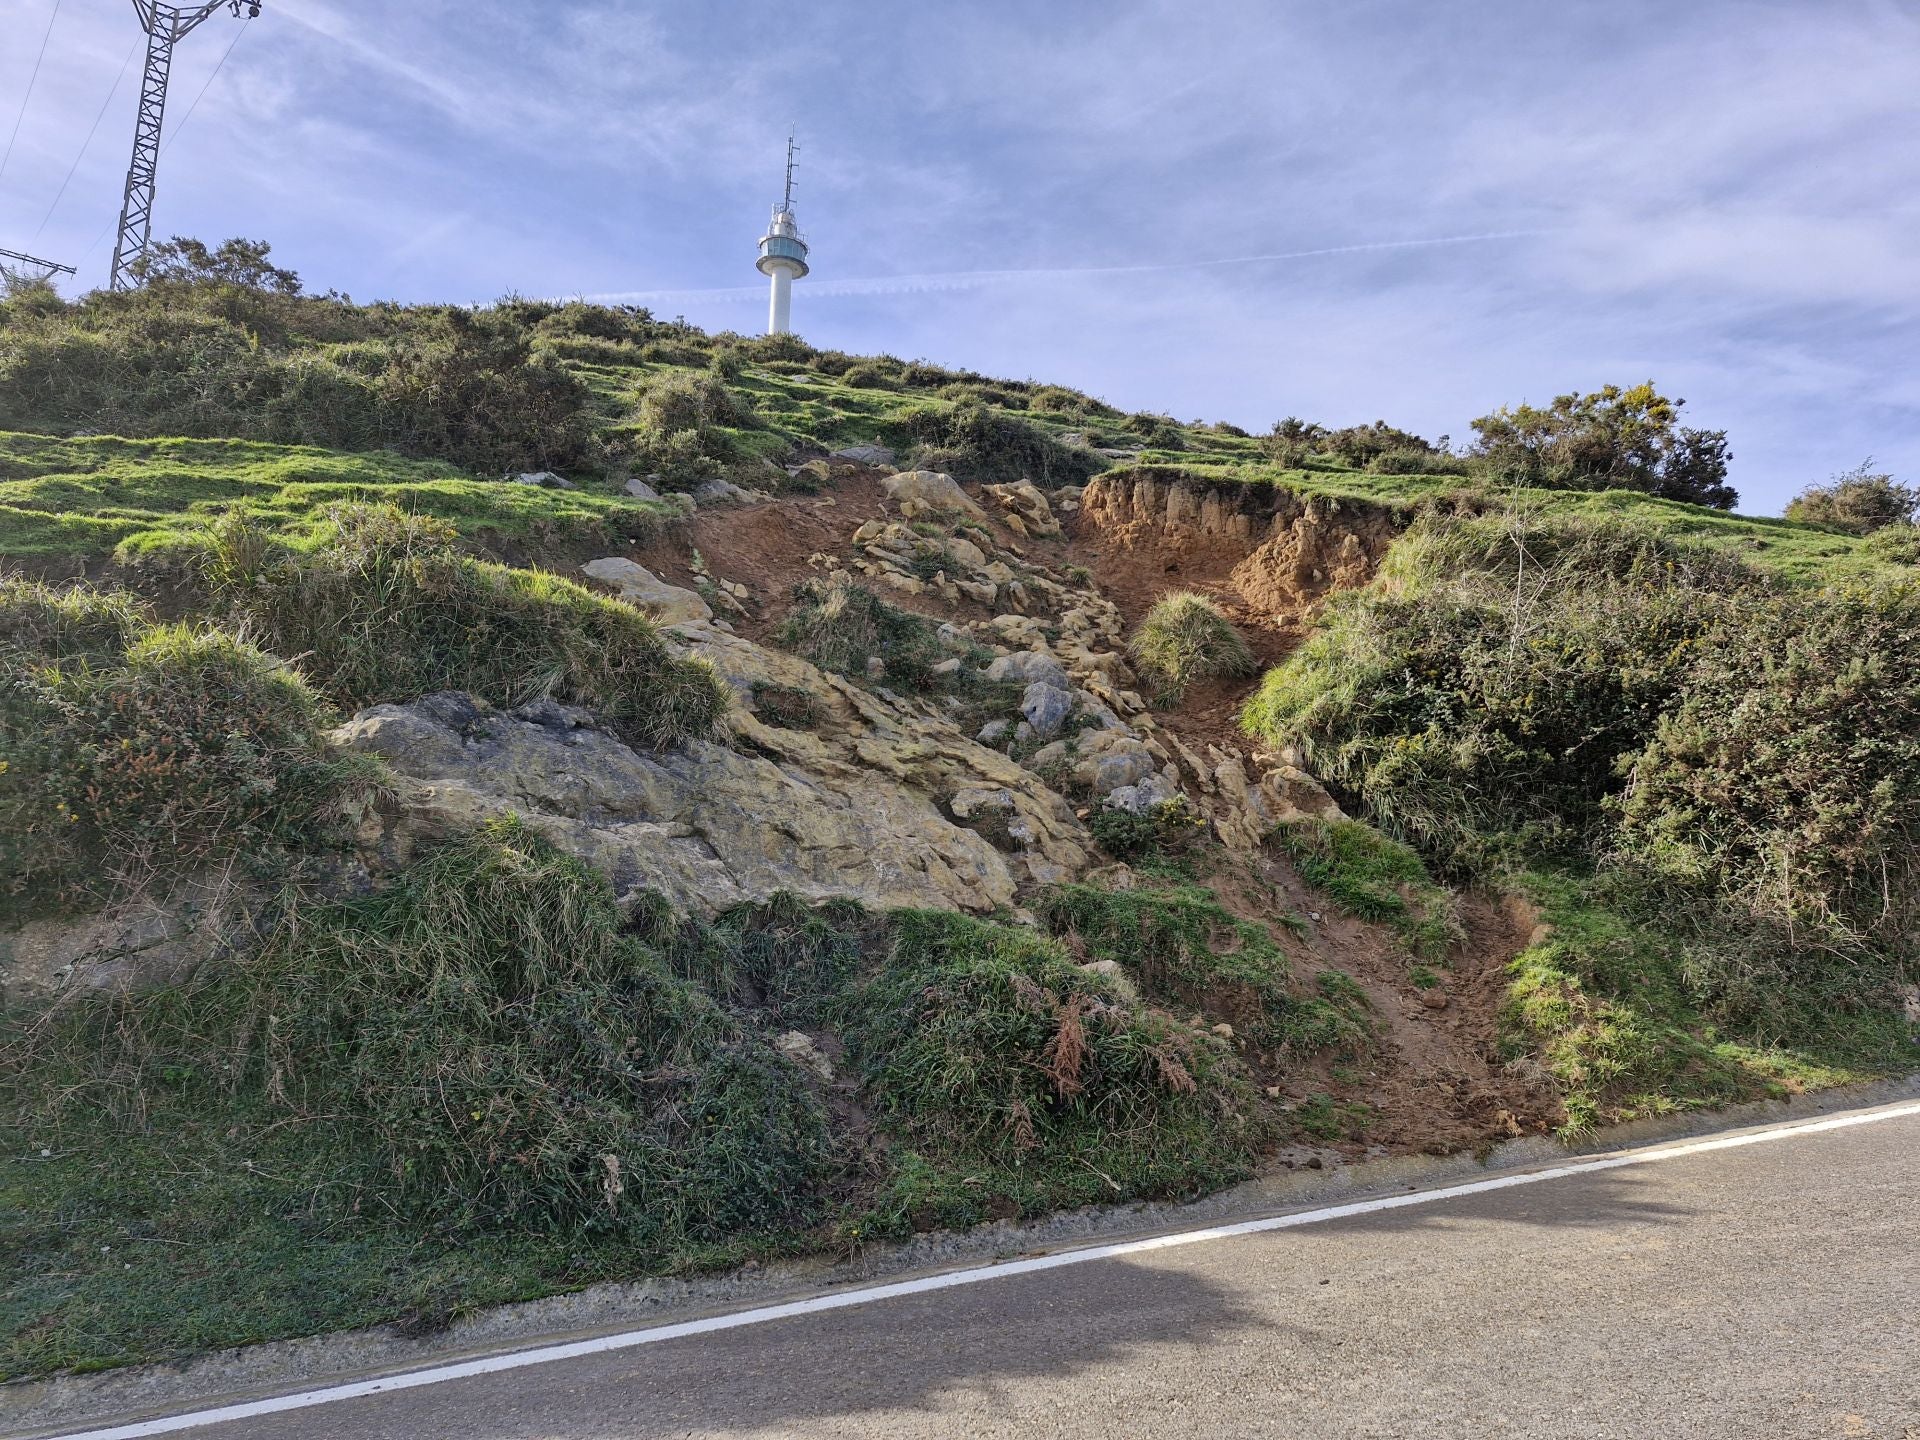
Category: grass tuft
<point>1185,639</point>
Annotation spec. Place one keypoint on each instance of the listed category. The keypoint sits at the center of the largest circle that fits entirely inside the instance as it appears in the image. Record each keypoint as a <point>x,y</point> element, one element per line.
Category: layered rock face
<point>873,801</point>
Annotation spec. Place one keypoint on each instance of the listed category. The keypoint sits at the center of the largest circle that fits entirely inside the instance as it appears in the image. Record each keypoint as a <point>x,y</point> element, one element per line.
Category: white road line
<point>867,1295</point>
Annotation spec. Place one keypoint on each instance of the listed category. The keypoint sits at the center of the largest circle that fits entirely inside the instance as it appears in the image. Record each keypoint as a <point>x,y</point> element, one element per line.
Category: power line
<point>31,82</point>
<point>89,140</point>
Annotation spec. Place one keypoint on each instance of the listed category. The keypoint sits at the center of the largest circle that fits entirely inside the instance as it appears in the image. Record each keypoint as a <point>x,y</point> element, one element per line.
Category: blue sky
<point>1722,195</point>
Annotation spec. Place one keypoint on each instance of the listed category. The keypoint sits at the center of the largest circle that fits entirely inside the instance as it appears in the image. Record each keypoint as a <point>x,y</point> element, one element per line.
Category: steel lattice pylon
<point>166,27</point>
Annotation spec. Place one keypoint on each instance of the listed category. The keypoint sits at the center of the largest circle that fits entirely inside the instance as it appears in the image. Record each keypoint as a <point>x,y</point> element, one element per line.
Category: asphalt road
<point>1760,1292</point>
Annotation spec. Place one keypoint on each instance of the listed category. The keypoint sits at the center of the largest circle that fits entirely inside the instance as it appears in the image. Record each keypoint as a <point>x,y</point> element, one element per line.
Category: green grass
<point>1601,1002</point>
<point>138,753</point>
<point>1183,947</point>
<point>91,496</point>
<point>1803,554</point>
<point>403,1109</point>
<point>1185,639</point>
<point>840,626</point>
<point>390,610</point>
<point>1101,1101</point>
<point>1373,878</point>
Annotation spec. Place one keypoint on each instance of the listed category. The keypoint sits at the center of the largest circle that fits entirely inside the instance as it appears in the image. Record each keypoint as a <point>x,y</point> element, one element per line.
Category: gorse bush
<point>135,753</point>
<point>1782,792</point>
<point>684,427</point>
<point>1478,696</point>
<point>1861,502</point>
<point>390,610</point>
<point>224,359</point>
<point>676,400</point>
<point>1630,438</point>
<point>978,443</point>
<point>1185,639</point>
<point>1740,759</point>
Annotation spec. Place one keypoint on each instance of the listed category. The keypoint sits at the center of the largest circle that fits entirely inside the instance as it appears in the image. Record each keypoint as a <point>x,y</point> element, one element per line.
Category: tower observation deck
<point>783,255</point>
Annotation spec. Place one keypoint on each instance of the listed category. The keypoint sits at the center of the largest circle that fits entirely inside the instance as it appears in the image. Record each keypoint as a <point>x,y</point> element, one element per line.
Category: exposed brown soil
<point>1431,1078</point>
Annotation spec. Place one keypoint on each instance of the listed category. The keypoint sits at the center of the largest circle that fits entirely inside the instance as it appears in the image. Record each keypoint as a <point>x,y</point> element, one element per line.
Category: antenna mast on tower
<point>166,26</point>
<point>783,254</point>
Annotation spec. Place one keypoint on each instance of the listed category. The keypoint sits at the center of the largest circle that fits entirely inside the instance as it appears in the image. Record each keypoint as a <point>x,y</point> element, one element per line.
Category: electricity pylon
<point>166,27</point>
<point>48,268</point>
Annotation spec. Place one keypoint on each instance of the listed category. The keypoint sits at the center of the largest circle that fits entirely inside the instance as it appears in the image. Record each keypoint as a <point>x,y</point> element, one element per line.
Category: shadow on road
<point>972,1348</point>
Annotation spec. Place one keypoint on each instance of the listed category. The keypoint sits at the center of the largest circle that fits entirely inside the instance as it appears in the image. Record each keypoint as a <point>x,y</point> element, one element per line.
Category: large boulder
<point>644,590</point>
<point>919,492</point>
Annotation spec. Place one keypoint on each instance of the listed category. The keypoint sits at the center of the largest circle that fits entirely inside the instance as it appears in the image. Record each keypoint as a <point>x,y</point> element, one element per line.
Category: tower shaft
<point>780,305</point>
<point>166,27</point>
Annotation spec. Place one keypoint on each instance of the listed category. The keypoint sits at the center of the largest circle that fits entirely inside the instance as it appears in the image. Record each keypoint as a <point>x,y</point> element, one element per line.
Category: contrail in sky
<point>971,279</point>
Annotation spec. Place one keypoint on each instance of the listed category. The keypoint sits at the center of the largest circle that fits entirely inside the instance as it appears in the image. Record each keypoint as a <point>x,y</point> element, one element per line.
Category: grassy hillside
<point>1681,745</point>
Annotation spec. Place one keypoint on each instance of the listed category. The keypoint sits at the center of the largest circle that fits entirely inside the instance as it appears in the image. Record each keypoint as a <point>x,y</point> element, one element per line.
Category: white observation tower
<point>783,255</point>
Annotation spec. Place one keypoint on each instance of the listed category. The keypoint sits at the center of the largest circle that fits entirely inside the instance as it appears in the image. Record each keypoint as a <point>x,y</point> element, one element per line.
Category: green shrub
<point>1860,502</point>
<point>675,400</point>
<point>226,360</point>
<point>1782,792</point>
<point>1899,544</point>
<point>981,444</point>
<point>837,626</point>
<point>1615,438</point>
<point>868,376</point>
<point>1161,834</point>
<point>1158,432</point>
<point>1479,694</point>
<point>390,610</point>
<point>1183,640</point>
<point>134,756</point>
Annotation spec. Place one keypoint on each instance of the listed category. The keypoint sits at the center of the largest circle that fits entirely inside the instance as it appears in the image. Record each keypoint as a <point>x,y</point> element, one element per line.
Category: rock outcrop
<point>859,804</point>
<point>142,941</point>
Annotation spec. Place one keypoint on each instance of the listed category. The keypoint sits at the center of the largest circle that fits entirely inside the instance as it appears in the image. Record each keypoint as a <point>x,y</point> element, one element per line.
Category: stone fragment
<point>1138,799</point>
<point>642,589</point>
<point>799,1047</point>
<point>1026,667</point>
<point>641,490</point>
<point>1046,708</point>
<point>929,490</point>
